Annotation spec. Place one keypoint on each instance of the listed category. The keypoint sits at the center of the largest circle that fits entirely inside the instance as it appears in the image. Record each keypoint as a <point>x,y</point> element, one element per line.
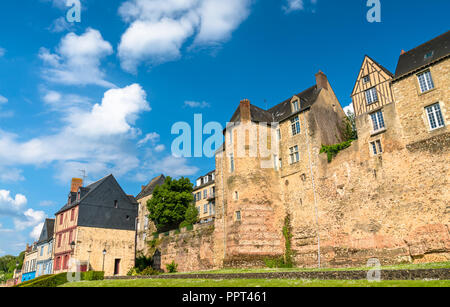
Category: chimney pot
<point>76,184</point>
<point>321,80</point>
<point>245,110</point>
<point>403,52</point>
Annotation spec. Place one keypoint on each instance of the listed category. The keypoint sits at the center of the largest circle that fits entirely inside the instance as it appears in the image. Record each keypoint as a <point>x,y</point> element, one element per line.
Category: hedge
<point>32,280</point>
<point>51,281</point>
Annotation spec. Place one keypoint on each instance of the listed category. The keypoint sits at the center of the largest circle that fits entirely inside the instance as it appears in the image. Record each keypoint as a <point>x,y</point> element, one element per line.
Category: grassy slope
<point>440,265</point>
<point>254,283</point>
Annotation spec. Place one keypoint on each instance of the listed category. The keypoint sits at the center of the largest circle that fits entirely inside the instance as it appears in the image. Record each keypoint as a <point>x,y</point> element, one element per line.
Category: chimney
<point>321,80</point>
<point>245,110</point>
<point>76,184</point>
<point>403,52</point>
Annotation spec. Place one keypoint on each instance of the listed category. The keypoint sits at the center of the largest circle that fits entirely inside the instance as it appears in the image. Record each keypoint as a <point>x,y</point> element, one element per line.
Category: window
<point>116,204</point>
<point>61,219</point>
<point>294,154</point>
<point>295,106</point>
<point>366,79</point>
<point>232,163</point>
<point>72,215</point>
<point>377,149</point>
<point>205,209</point>
<point>42,251</point>
<point>236,195</point>
<point>295,125</point>
<point>58,263</point>
<point>59,240</point>
<point>275,162</point>
<point>50,248</point>
<point>70,236</point>
<point>425,81</point>
<point>238,215</point>
<point>378,121</point>
<point>435,117</point>
<point>371,95</point>
<point>198,209</point>
<point>428,55</point>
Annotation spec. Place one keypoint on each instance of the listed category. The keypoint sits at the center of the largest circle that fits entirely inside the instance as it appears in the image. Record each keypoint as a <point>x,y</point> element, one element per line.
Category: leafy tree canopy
<point>170,202</point>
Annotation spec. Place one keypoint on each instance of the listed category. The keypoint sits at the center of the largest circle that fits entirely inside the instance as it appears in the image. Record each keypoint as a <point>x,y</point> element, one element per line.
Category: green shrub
<point>172,267</point>
<point>32,280</point>
<point>133,272</point>
<point>143,262</point>
<point>333,150</point>
<point>50,281</point>
<point>190,227</point>
<point>92,275</point>
<point>148,271</point>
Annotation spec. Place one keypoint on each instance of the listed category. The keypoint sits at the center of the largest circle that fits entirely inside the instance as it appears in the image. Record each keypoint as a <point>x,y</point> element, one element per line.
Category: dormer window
<point>116,204</point>
<point>295,105</point>
<point>429,55</point>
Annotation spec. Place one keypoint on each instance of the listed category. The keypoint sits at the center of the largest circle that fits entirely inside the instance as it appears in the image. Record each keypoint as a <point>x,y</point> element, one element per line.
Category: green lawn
<point>439,265</point>
<point>254,283</point>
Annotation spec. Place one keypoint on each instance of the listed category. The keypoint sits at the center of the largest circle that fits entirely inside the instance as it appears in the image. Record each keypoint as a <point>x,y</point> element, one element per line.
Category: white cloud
<point>47,203</point>
<point>349,108</point>
<point>150,137</point>
<point>10,205</point>
<point>10,174</point>
<point>296,5</point>
<point>30,218</point>
<point>36,232</point>
<point>2,51</point>
<point>60,25</point>
<point>77,60</point>
<point>159,28</point>
<point>3,99</point>
<point>196,104</point>
<point>99,140</point>
<point>160,148</point>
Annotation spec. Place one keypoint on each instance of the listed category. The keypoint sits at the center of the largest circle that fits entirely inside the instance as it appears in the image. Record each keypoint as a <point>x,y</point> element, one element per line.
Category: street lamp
<point>104,254</point>
<point>72,246</point>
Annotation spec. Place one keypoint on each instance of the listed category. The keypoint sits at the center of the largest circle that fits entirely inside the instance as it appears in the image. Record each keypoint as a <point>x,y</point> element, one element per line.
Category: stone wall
<point>191,250</point>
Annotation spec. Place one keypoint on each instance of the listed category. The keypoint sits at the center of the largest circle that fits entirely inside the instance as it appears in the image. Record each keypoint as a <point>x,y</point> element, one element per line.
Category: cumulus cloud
<point>36,232</point>
<point>77,60</point>
<point>196,104</point>
<point>3,99</point>
<point>97,140</point>
<point>30,219</point>
<point>10,205</point>
<point>159,28</point>
<point>150,137</point>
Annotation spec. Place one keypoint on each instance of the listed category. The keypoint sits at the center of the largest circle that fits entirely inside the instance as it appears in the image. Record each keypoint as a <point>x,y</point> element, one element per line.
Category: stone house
<point>96,228</point>
<point>45,249</point>
<point>29,263</point>
<point>205,197</point>
<point>145,227</point>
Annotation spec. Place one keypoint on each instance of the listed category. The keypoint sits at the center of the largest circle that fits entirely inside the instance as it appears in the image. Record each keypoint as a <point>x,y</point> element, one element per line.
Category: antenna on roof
<point>83,173</point>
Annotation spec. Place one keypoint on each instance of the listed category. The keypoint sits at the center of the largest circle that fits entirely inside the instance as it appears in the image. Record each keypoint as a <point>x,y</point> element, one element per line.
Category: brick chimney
<point>403,52</point>
<point>321,80</point>
<point>245,110</point>
<point>76,184</point>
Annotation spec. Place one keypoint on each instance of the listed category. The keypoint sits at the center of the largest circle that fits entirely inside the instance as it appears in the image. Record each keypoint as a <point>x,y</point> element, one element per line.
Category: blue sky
<point>103,94</point>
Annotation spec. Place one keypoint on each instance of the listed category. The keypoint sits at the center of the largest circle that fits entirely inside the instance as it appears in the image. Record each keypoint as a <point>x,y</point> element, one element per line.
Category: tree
<point>191,216</point>
<point>170,202</point>
<point>349,129</point>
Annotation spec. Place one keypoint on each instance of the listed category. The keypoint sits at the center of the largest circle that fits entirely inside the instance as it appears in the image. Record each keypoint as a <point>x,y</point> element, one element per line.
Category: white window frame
<point>371,95</point>
<point>294,154</point>
<point>295,126</point>
<point>378,123</point>
<point>426,84</point>
<point>376,147</point>
<point>435,116</point>
<point>295,105</point>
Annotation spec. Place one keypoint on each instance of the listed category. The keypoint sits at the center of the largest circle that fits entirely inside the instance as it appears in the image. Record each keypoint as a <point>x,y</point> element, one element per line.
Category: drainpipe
<point>315,196</point>
<point>223,205</point>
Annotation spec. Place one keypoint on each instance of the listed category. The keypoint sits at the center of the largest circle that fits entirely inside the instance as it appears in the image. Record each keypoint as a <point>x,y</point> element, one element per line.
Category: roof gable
<point>370,66</point>
<point>150,187</point>
<point>47,231</point>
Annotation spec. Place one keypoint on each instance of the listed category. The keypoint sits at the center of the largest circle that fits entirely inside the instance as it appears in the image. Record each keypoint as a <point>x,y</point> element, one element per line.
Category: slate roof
<point>282,111</point>
<point>84,193</point>
<point>210,182</point>
<point>150,187</point>
<point>415,59</point>
<point>47,231</point>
